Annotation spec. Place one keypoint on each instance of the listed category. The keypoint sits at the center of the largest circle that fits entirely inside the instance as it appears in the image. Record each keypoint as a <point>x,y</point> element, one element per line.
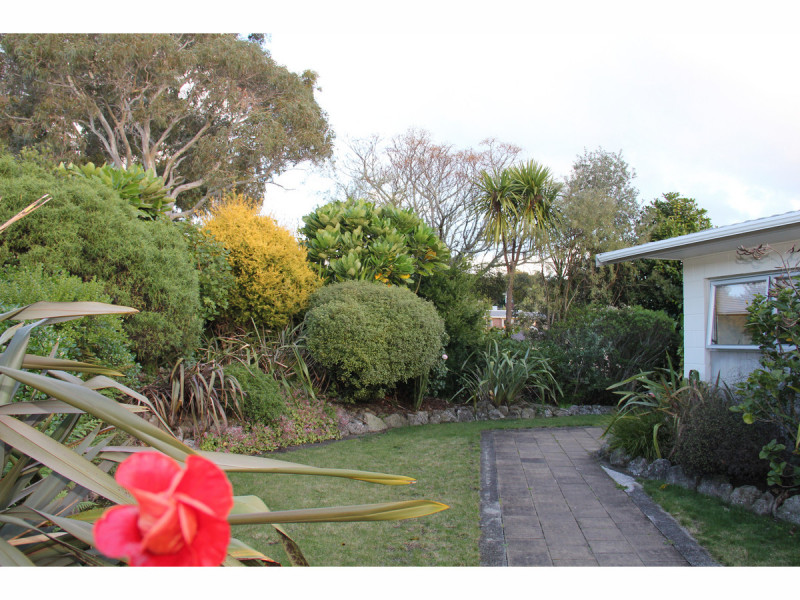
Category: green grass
<point>732,535</point>
<point>445,460</point>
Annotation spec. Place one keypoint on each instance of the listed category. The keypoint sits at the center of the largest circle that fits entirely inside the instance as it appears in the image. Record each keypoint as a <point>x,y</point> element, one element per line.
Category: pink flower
<point>181,516</point>
<point>444,356</point>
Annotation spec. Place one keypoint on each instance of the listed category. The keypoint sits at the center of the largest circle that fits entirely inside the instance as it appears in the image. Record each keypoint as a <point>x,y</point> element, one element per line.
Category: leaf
<point>254,504</point>
<point>42,363</point>
<point>244,553</point>
<point>61,459</point>
<point>46,310</point>
<point>12,557</point>
<point>389,511</point>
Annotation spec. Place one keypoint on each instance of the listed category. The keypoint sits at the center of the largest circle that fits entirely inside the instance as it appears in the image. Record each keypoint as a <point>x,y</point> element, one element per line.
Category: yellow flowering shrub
<point>273,278</point>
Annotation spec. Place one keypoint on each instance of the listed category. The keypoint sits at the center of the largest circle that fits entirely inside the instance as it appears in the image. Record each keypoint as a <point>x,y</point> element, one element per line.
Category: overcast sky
<point>701,98</point>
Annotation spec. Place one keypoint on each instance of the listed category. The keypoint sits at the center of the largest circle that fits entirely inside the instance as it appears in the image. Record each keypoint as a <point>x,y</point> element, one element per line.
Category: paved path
<point>545,501</point>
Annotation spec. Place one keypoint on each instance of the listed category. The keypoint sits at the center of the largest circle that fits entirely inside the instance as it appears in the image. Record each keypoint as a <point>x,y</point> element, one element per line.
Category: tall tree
<point>598,211</point>
<point>208,112</point>
<point>517,206</point>
<point>659,283</point>
<point>435,181</point>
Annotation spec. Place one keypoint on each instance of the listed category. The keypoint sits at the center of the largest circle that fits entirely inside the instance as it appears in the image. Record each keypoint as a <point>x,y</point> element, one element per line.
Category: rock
<point>716,486</point>
<point>374,423</point>
<point>764,505</point>
<point>560,412</point>
<point>657,469</point>
<point>637,466</point>
<point>356,427</point>
<point>604,451</point>
<point>527,413</point>
<point>503,410</point>
<point>418,418</point>
<point>619,458</point>
<point>464,415</point>
<point>515,412</point>
<point>395,420</point>
<point>677,476</point>
<point>448,415</point>
<point>495,415</point>
<point>745,496</point>
<point>790,510</point>
<point>435,417</point>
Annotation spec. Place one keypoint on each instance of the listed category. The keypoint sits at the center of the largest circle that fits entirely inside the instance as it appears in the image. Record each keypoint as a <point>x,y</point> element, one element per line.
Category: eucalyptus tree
<point>207,112</point>
<point>517,205</point>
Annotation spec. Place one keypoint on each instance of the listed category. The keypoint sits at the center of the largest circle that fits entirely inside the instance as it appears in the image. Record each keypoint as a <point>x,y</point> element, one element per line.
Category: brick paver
<point>558,508</point>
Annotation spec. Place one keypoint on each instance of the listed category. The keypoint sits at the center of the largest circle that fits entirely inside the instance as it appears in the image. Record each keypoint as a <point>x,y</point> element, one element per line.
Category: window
<point>729,302</point>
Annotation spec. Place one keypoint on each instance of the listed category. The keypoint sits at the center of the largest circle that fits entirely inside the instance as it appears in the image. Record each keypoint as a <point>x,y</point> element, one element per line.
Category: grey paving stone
<point>618,560</point>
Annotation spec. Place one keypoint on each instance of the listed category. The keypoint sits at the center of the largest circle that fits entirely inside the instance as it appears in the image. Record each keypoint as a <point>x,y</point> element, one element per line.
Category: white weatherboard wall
<point>698,274</point>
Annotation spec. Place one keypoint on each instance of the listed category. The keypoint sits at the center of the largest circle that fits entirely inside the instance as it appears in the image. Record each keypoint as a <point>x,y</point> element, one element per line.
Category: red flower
<point>180,519</point>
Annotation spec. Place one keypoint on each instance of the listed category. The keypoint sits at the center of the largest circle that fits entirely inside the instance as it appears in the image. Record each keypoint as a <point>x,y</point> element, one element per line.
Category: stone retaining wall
<point>747,496</point>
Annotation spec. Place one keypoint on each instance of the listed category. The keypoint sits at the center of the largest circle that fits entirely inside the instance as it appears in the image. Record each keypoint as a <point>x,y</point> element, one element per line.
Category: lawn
<point>732,535</point>
<point>445,460</point>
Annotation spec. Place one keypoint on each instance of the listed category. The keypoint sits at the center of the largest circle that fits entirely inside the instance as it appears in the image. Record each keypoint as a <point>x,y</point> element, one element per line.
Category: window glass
<point>730,312</point>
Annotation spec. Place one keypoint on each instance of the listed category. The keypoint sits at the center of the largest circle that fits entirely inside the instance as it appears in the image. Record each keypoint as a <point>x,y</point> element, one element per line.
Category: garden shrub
<point>99,339</point>
<point>643,433</point>
<point>88,231</point>
<point>371,336</point>
<point>453,293</point>
<point>214,273</point>
<point>595,347</point>
<point>273,279</point>
<point>716,441</point>
<point>263,401</point>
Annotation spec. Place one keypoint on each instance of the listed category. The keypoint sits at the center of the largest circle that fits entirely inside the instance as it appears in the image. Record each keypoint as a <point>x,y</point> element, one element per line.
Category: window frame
<point>712,297</point>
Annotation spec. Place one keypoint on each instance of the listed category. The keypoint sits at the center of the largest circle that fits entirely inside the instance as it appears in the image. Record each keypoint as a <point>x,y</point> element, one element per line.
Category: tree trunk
<point>509,297</point>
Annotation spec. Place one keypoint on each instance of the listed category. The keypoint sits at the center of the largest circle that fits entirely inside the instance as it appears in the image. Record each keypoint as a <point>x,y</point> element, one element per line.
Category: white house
<point>717,287</point>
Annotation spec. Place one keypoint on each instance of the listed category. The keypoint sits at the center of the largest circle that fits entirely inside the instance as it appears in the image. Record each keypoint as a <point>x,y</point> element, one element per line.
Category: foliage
<point>273,279</point>
<point>771,393</point>
<point>89,232</point>
<point>262,401</point>
<point>371,337</point>
<point>642,433</point>
<point>143,189</point>
<point>517,205</point>
<point>206,112</point>
<point>214,273</point>
<point>100,340</point>
<point>432,180</point>
<point>665,393</point>
<point>197,395</point>
<point>715,441</point>
<point>596,347</point>
<point>501,376</point>
<point>598,211</point>
<point>454,294</point>
<point>356,240</point>
<point>305,421</point>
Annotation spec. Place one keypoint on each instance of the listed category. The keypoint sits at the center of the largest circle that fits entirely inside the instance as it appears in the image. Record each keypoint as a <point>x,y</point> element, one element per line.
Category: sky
<point>701,98</point>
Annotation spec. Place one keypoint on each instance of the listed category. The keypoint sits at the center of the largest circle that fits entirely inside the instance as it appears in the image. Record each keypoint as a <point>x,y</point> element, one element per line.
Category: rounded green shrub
<point>263,401</point>
<point>643,433</point>
<point>371,336</point>
<point>88,231</point>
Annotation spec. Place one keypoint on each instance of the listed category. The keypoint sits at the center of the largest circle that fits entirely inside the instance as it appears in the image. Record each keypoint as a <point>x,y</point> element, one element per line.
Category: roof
<point>769,230</point>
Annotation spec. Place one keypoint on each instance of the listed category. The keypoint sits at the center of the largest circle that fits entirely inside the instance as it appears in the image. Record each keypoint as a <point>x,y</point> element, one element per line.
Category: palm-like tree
<point>518,206</point>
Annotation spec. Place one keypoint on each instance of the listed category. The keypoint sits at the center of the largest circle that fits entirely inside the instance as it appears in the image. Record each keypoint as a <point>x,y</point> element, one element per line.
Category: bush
<point>371,336</point>
<point>214,274</point>
<point>273,279</point>
<point>453,293</point>
<point>715,441</point>
<point>89,232</point>
<point>99,340</point>
<point>643,433</point>
<point>596,347</point>
<point>262,399</point>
